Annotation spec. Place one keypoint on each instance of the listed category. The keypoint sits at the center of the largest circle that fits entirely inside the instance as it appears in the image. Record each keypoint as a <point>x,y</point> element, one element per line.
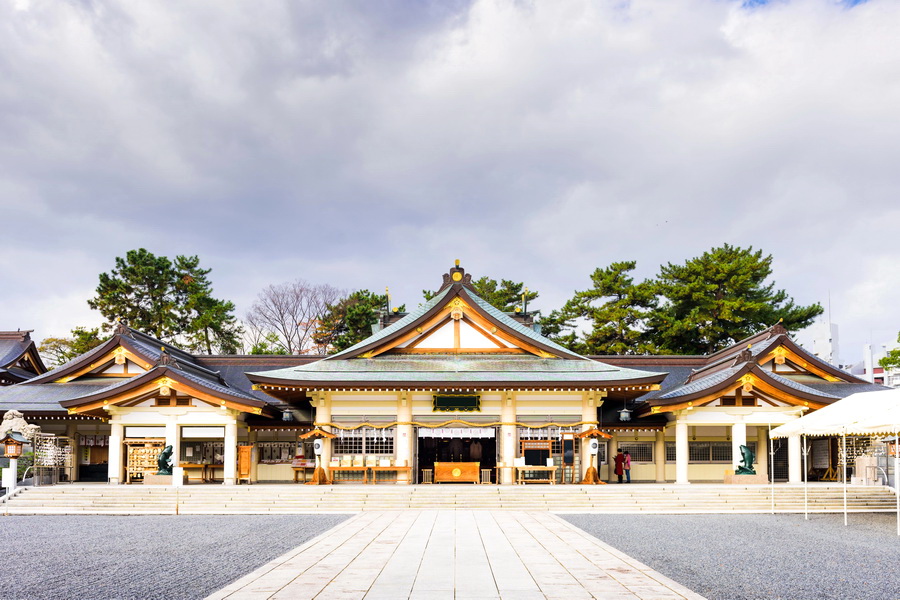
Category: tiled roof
<point>44,398</point>
<point>701,384</point>
<point>526,332</point>
<point>409,319</point>
<point>455,368</point>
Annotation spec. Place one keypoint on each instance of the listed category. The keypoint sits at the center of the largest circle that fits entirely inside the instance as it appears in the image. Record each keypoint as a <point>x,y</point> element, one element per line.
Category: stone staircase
<point>348,498</point>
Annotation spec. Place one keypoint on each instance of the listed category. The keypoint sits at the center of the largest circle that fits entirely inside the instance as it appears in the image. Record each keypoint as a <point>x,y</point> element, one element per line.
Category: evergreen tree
<point>349,321</point>
<point>892,359</point>
<point>719,298</point>
<point>62,350</point>
<point>615,308</point>
<point>170,301</point>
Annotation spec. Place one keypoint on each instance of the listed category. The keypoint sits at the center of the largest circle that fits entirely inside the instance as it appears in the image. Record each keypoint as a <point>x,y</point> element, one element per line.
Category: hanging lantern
<point>12,444</point>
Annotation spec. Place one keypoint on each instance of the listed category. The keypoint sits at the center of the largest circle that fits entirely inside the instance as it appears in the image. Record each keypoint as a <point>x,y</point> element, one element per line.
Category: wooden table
<point>551,472</point>
<point>333,470</point>
<point>511,469</point>
<point>194,467</point>
<point>303,469</point>
<point>397,470</point>
<point>457,472</point>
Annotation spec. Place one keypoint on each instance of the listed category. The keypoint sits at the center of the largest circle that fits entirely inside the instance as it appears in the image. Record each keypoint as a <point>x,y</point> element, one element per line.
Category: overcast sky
<point>369,144</point>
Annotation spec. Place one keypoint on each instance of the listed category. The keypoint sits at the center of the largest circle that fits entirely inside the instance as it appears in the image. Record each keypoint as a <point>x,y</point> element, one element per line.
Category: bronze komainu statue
<point>746,466</point>
<point>164,461</point>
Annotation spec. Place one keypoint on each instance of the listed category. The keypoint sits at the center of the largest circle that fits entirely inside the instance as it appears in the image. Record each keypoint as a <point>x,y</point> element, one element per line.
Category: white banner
<point>457,432</point>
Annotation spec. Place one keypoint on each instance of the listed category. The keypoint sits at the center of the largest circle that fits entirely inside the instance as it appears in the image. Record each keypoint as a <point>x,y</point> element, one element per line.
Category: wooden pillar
<point>230,453</point>
<point>116,443</point>
<point>659,456</point>
<point>591,400</point>
<point>681,452</point>
<point>508,435</point>
<point>403,437</point>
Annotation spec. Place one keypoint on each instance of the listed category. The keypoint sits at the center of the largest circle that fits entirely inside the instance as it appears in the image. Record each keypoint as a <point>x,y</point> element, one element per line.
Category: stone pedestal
<point>758,479</point>
<point>162,480</point>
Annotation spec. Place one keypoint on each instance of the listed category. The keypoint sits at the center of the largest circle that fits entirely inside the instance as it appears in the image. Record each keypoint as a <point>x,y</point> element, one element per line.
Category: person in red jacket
<point>620,464</point>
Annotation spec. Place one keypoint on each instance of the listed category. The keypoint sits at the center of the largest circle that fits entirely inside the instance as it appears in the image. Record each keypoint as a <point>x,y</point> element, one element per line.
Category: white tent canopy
<point>865,413</point>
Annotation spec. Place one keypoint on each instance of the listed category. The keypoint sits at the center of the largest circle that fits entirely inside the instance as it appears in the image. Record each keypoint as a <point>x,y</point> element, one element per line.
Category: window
<point>706,452</point>
<point>365,442</point>
<point>670,451</point>
<point>163,402</point>
<point>639,451</point>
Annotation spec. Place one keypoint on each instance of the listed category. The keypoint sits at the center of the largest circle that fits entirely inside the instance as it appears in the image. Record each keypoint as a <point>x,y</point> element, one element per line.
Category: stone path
<point>469,555</point>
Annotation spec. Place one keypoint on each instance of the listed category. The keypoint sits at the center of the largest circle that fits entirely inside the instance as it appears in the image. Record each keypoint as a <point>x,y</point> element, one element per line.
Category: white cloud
<point>535,141</point>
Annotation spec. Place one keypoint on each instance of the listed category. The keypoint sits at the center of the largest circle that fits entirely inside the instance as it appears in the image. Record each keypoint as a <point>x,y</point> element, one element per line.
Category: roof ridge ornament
<point>120,328</point>
<point>778,328</point>
<point>166,359</point>
<point>456,276</point>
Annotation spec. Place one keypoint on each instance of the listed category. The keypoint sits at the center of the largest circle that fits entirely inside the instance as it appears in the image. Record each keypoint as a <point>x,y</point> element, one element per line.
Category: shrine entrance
<point>457,455</point>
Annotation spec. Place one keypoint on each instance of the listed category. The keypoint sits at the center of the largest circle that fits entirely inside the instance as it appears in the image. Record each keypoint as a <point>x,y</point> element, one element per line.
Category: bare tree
<point>289,313</point>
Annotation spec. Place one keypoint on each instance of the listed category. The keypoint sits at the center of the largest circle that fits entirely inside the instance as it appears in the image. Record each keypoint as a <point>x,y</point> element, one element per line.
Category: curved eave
<point>269,384</point>
<point>456,290</point>
<point>817,362</point>
<point>706,395</point>
<point>510,331</point>
<point>146,382</point>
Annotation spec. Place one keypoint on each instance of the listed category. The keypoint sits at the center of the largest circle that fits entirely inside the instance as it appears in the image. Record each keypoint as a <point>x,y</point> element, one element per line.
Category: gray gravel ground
<point>143,557</point>
<point>742,557</point>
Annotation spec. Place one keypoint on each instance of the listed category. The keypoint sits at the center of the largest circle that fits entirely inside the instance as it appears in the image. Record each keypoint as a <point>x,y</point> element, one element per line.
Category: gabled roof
<point>456,285</point>
<point>19,358</point>
<point>75,385</point>
<point>378,362</point>
<point>169,375</point>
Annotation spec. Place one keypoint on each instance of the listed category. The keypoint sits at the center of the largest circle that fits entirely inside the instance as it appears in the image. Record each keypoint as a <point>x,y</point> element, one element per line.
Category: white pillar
<point>174,439</point>
<point>612,449</point>
<point>681,452</point>
<point>403,437</point>
<point>253,437</point>
<point>323,415</point>
<point>114,467</point>
<point>72,432</point>
<point>738,439</point>
<point>230,453</point>
<point>591,401</point>
<point>508,436</point>
<point>659,456</point>
<point>762,450</point>
<point>795,470</point>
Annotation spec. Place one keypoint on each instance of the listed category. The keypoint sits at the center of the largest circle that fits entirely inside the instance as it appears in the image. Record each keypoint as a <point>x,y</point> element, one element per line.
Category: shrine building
<point>454,391</point>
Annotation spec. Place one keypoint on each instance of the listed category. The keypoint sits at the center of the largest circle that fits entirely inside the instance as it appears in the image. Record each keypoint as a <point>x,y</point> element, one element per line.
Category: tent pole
<point>805,481</point>
<point>844,474</point>
<point>772,467</point>
<point>897,472</point>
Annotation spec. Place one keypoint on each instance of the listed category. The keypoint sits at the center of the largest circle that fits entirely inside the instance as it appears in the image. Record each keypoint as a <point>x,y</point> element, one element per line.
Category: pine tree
<point>719,298</point>
<point>350,320</point>
<point>170,301</point>
<point>615,308</point>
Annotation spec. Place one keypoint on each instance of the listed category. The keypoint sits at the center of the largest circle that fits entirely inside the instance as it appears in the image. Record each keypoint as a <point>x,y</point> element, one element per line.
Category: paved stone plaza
<point>461,554</point>
<point>436,555</point>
